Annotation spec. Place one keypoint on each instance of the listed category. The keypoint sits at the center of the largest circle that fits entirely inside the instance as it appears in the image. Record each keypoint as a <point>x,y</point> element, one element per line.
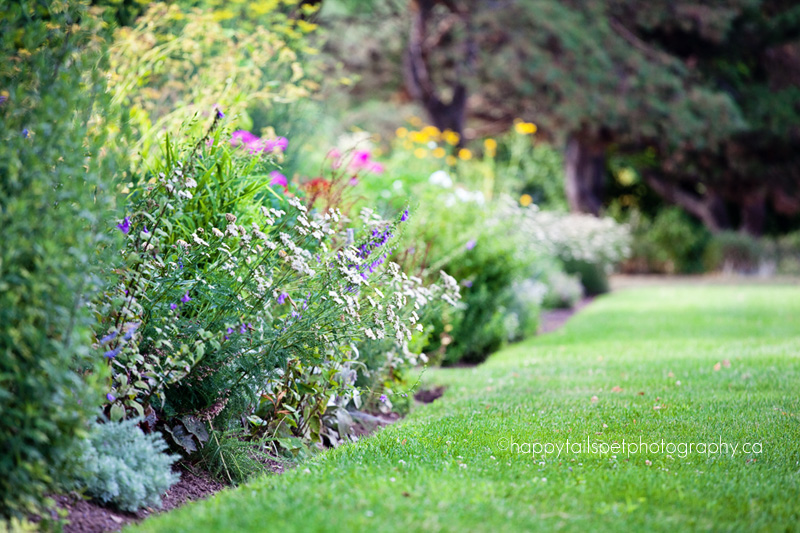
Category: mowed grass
<point>451,465</point>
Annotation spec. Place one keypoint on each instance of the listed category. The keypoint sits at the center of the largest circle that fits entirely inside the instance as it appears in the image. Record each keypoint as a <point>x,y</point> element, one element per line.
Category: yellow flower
<point>451,137</point>
<point>401,132</point>
<point>525,200</point>
<point>451,160</point>
<point>408,145</point>
<point>439,152</point>
<point>418,137</point>
<point>415,121</point>
<point>464,154</point>
<point>420,153</point>
<point>431,131</point>
<point>525,128</point>
<point>491,147</point>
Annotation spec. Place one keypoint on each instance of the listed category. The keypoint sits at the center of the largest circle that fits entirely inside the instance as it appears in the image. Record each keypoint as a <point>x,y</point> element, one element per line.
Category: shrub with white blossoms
<point>202,318</point>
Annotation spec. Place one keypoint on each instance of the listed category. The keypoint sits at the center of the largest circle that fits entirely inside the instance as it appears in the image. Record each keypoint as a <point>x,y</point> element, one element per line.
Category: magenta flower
<point>278,179</point>
<point>375,168</point>
<point>353,181</point>
<point>125,225</point>
<point>243,137</point>
<point>281,143</point>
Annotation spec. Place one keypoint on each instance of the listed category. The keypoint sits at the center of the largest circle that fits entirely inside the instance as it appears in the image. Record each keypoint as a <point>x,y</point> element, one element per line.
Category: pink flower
<point>276,178</point>
<point>240,137</point>
<point>360,160</point>
<point>281,143</point>
<point>375,168</point>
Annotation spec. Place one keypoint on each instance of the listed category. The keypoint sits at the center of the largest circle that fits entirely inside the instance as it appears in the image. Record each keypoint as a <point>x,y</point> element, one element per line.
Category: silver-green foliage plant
<point>124,467</point>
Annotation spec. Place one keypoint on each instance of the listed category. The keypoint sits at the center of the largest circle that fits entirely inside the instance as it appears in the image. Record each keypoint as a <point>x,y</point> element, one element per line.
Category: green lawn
<point>445,468</point>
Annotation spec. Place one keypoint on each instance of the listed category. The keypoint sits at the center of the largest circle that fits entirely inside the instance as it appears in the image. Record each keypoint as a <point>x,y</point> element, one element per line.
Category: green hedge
<point>54,209</point>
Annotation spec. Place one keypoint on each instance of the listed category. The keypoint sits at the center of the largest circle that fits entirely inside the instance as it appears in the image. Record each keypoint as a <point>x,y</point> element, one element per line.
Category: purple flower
<point>220,114</point>
<point>467,283</point>
<point>276,178</point>
<point>125,225</point>
<point>470,244</point>
<point>230,330</point>
<point>108,338</point>
<point>383,398</point>
<point>110,397</point>
<point>180,263</point>
<point>173,306</point>
<point>242,329</point>
<point>131,330</point>
<point>3,98</point>
<point>25,134</point>
<point>282,298</point>
<point>282,143</point>
<point>111,354</point>
<point>145,229</point>
<point>405,216</point>
<point>242,137</point>
<point>185,298</point>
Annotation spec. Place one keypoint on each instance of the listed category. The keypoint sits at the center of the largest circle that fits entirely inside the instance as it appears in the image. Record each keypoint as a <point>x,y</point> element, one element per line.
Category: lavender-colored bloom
<point>125,225</point>
<point>383,398</point>
<point>470,244</point>
<point>180,263</point>
<point>242,329</point>
<point>230,330</point>
<point>111,354</point>
<point>173,306</point>
<point>110,397</point>
<point>185,298</point>
<point>220,114</point>
<point>3,98</point>
<point>282,298</point>
<point>467,283</point>
<point>296,315</point>
<point>131,330</point>
<point>405,216</point>
<point>108,338</point>
<point>25,133</point>
<point>145,229</point>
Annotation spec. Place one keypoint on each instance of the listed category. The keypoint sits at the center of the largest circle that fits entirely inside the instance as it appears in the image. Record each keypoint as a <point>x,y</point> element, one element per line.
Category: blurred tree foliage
<point>708,90</point>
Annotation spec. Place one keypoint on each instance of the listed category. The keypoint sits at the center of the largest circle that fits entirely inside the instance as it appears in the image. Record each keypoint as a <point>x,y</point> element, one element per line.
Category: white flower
<point>441,178</point>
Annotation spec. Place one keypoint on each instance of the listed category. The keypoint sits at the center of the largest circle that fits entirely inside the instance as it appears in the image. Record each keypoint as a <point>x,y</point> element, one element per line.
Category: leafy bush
<point>731,251</point>
<point>54,208</point>
<point>670,243</point>
<point>124,467</point>
<point>562,291</point>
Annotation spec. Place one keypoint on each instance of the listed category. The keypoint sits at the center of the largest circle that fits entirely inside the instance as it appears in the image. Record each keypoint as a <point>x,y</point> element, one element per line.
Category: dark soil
<point>554,319</point>
<point>429,395</point>
<point>86,516</point>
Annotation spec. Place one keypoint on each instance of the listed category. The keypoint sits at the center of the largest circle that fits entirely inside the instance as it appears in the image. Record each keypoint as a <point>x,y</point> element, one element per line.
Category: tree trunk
<point>754,212</point>
<point>709,208</point>
<point>444,115</point>
<point>585,174</point>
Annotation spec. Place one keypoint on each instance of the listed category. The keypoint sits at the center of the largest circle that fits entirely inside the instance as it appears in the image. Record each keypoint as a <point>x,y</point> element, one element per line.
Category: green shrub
<point>563,290</point>
<point>731,251</point>
<point>124,467</point>
<point>54,211</point>
<point>670,243</point>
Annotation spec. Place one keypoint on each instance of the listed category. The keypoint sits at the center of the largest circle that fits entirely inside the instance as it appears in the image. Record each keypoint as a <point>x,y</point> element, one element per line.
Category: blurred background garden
<point>230,231</point>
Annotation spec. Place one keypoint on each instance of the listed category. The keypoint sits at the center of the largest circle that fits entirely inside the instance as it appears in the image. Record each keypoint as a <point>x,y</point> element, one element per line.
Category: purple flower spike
<point>110,397</point>
<point>185,298</point>
<point>405,216</point>
<point>383,398</point>
<point>108,338</point>
<point>282,298</point>
<point>125,225</point>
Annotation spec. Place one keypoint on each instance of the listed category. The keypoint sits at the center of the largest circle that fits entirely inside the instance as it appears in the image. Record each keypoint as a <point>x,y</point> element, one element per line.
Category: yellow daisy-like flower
<point>464,154</point>
<point>490,144</point>
<point>420,153</point>
<point>401,132</point>
<point>451,137</point>
<point>451,160</point>
<point>525,200</point>
<point>439,152</point>
<point>418,137</point>
<point>431,131</point>
<point>525,128</point>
